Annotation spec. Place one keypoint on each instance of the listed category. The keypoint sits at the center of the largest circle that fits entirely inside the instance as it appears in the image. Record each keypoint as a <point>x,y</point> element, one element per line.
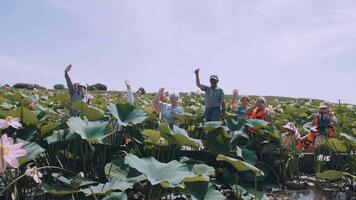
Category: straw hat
<point>290,126</point>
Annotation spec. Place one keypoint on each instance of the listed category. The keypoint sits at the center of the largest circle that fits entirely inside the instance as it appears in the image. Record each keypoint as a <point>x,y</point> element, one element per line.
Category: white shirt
<point>168,112</point>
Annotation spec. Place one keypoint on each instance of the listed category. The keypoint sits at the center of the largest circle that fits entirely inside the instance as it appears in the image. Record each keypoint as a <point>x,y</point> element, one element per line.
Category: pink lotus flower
<point>34,173</point>
<point>10,121</point>
<point>234,107</point>
<point>9,152</point>
<point>51,94</point>
<point>32,105</point>
<point>44,98</point>
<point>271,111</point>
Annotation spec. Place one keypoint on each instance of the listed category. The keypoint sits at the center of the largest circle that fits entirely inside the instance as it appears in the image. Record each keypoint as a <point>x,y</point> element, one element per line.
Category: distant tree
<point>98,86</point>
<point>58,86</point>
<point>141,90</point>
<point>27,86</point>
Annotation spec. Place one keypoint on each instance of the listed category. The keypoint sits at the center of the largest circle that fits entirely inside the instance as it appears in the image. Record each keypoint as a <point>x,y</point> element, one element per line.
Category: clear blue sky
<point>297,48</point>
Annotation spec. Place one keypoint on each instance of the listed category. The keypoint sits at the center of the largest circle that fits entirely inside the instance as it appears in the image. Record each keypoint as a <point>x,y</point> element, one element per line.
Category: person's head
<point>80,88</point>
<point>261,102</point>
<point>173,98</point>
<point>323,108</point>
<point>214,79</point>
<point>244,100</point>
<point>290,127</point>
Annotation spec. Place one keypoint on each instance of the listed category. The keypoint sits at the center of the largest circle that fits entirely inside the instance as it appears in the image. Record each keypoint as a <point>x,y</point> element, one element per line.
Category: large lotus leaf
<point>106,188</point>
<point>167,174</point>
<point>203,191</point>
<point>239,164</point>
<point>58,189</point>
<point>248,155</point>
<point>200,171</point>
<point>235,125</point>
<point>70,181</point>
<point>91,112</point>
<point>350,139</point>
<point>212,125</point>
<point>335,145</point>
<point>26,116</point>
<point>256,123</point>
<point>116,196</point>
<point>90,131</point>
<point>118,170</point>
<point>126,114</point>
<point>55,137</point>
<point>154,137</point>
<point>46,127</point>
<point>33,151</point>
<point>6,106</point>
<point>249,194</point>
<point>333,175</point>
<point>179,136</point>
<point>218,141</point>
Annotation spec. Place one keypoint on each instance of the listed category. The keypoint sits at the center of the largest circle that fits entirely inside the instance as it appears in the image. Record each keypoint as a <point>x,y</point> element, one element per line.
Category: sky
<point>294,48</point>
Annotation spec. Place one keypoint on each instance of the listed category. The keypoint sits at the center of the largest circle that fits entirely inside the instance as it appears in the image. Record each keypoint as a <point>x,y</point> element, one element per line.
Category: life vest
<point>257,114</point>
<point>322,127</point>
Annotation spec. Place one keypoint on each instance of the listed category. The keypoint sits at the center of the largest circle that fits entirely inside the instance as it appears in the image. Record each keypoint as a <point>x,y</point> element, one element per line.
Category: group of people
<point>322,124</point>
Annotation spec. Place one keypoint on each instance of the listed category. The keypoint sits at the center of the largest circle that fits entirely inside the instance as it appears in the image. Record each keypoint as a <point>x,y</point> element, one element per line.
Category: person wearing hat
<point>214,98</point>
<point>167,111</point>
<point>77,92</point>
<point>291,137</point>
<point>323,126</point>
<point>240,110</point>
<point>260,111</point>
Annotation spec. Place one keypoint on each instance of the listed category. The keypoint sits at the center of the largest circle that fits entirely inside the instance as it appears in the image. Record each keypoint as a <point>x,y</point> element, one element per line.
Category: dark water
<point>315,195</point>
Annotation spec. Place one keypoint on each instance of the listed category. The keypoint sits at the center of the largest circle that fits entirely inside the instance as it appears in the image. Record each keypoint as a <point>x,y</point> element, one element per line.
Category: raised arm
<point>197,79</point>
<point>68,80</point>
<point>130,97</point>
<point>235,94</point>
<point>155,102</point>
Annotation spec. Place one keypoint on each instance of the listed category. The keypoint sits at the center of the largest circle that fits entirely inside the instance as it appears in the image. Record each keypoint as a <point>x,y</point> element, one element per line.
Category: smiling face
<point>173,98</point>
<point>81,90</point>
<point>213,83</point>
<point>244,101</point>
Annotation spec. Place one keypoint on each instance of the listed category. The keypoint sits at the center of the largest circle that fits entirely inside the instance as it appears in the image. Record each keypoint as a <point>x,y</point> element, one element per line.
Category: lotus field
<point>115,150</point>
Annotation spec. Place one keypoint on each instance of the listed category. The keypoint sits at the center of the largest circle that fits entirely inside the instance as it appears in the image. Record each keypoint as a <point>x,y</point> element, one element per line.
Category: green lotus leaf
<point>203,191</point>
<point>33,151</point>
<point>90,131</point>
<point>239,164</point>
<point>349,138</point>
<point>333,175</point>
<point>176,135</point>
<point>154,137</point>
<point>248,155</point>
<point>167,174</point>
<point>106,188</point>
<point>26,116</point>
<point>92,113</point>
<point>218,141</point>
<point>126,114</point>
<point>335,145</point>
<point>116,196</point>
<point>256,123</point>
<point>118,170</point>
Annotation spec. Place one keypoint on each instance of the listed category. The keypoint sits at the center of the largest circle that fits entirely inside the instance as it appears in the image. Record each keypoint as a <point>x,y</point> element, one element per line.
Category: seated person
<point>240,110</point>
<point>291,137</point>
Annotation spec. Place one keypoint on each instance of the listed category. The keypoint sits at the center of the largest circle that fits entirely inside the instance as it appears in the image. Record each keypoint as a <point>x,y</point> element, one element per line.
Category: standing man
<point>77,92</point>
<point>214,98</point>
